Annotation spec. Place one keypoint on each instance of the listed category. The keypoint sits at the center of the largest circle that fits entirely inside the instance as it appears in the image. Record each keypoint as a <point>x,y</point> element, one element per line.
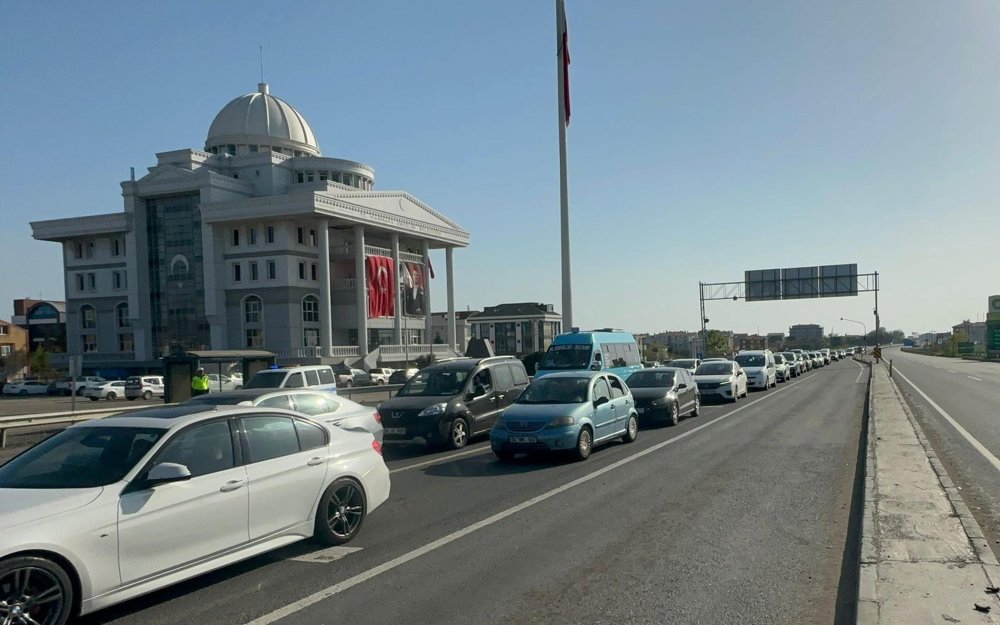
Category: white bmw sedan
<point>114,508</point>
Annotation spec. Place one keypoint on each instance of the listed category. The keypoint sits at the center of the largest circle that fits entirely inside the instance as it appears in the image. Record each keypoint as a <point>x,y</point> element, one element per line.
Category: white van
<point>303,376</point>
<point>144,386</point>
<point>759,367</point>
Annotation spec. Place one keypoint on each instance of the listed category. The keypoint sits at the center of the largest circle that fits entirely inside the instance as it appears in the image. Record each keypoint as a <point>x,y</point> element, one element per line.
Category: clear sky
<point>707,138</point>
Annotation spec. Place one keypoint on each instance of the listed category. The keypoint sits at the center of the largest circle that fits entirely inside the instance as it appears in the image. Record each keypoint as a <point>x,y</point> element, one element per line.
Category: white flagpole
<point>567,281</point>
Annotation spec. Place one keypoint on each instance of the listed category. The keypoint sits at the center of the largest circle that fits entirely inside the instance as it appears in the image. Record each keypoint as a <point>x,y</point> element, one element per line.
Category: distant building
<point>805,336</point>
<point>517,329</point>
<point>679,343</point>
<point>12,339</point>
<point>463,328</point>
<point>775,341</point>
<point>975,330</point>
<point>742,341</point>
<point>45,322</point>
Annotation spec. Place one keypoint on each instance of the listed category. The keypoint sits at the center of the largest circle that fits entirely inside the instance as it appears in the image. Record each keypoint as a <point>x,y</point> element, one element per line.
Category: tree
<point>39,362</point>
<point>717,343</point>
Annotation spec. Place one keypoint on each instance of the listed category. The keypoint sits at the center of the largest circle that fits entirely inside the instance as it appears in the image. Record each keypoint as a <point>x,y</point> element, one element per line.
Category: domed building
<point>257,241</point>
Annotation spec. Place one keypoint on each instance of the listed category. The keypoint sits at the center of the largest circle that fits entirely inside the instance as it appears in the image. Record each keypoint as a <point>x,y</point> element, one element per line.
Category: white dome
<point>262,119</point>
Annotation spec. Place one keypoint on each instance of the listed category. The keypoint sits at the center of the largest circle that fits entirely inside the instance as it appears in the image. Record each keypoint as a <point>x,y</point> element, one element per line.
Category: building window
<point>237,273</point>
<point>312,271</point>
<point>92,281</point>
<point>309,176</point>
<point>253,148</point>
<point>6,350</point>
<point>253,308</point>
<point>231,149</point>
<point>253,271</point>
<point>301,235</point>
<point>88,317</point>
<point>302,271</point>
<point>252,236</point>
<point>310,309</point>
<point>322,176</point>
<point>254,337</point>
<point>3,330</point>
<point>310,337</point>
<point>126,343</point>
<point>300,177</point>
<point>89,342</point>
<point>270,234</point>
<point>116,280</point>
<point>272,270</point>
<point>116,247</point>
<point>312,238</point>
<point>79,282</point>
<point>121,316</point>
<point>90,249</point>
<point>236,237</point>
<point>78,251</point>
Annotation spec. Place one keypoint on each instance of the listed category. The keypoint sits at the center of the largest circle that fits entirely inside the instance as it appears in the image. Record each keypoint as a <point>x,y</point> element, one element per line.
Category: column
<point>361,288</point>
<point>325,305</point>
<point>428,319</point>
<point>397,328</point>
<point>449,268</point>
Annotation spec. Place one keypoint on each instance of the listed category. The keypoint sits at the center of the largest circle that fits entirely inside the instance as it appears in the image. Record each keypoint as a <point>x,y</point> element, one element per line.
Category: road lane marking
<point>965,433</point>
<point>324,556</point>
<point>330,591</point>
<point>972,377</point>
<point>860,373</point>
<point>950,371</point>
<point>442,459</point>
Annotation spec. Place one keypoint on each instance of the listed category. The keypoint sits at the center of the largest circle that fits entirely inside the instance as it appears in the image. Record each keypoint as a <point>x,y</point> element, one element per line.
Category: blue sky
<point>707,138</point>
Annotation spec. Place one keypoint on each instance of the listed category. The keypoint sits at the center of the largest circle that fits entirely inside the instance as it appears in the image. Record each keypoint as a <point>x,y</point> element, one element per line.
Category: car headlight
<point>560,422</point>
<point>433,409</point>
<point>660,401</point>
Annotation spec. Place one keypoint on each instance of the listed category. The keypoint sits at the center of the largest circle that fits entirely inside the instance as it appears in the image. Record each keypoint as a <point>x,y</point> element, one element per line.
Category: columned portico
<point>361,288</point>
<point>325,307</point>
<point>449,270</point>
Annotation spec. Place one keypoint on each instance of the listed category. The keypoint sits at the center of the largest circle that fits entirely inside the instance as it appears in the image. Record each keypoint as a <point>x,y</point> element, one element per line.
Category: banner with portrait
<point>412,284</point>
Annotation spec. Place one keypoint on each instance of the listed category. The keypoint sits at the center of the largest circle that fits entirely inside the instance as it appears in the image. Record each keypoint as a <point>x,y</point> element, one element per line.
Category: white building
<point>257,241</point>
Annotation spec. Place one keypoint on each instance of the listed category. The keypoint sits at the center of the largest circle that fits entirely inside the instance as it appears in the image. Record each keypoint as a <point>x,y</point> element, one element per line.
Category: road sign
<point>994,304</point>
<point>75,366</point>
<point>992,335</point>
<point>966,347</point>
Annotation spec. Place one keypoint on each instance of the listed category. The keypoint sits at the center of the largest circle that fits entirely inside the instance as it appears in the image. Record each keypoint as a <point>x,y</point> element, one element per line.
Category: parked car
<point>302,376</point>
<point>568,411</point>
<point>664,393</point>
<point>759,368</point>
<point>825,353</point>
<point>28,387</point>
<point>818,359</point>
<point>795,363</point>
<point>691,364</point>
<point>449,402</point>
<point>380,375</point>
<point>169,493</point>
<point>105,390</point>
<point>144,386</point>
<point>723,379</point>
<point>783,368</point>
<point>217,384</point>
<point>349,376</point>
<point>316,404</point>
<point>65,385</point>
<point>400,376</point>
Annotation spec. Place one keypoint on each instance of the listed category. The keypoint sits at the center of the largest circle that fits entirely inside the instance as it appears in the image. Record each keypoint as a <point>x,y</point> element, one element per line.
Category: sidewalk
<point>923,556</point>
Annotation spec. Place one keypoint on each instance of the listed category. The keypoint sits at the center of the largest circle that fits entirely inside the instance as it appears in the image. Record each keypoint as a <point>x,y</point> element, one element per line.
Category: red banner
<point>381,286</point>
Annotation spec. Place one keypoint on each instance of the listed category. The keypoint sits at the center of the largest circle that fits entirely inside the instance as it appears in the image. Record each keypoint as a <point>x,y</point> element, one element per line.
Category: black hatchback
<point>449,402</point>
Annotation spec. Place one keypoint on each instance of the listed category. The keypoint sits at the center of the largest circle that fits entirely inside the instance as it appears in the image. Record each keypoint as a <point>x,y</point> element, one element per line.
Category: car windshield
<point>684,364</point>
<point>266,379</point>
<point>750,360</point>
<point>715,368</point>
<point>788,355</point>
<point>567,357</point>
<point>555,390</point>
<point>84,457</point>
<point>438,382</point>
<point>651,379</point>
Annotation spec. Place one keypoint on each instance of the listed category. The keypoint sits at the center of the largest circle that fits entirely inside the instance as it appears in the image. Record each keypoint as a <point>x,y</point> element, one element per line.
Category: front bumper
<point>725,392</point>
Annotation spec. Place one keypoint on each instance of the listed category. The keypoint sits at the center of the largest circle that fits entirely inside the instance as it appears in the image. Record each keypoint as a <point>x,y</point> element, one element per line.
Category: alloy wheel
<point>30,596</point>
<point>459,434</point>
<point>345,510</point>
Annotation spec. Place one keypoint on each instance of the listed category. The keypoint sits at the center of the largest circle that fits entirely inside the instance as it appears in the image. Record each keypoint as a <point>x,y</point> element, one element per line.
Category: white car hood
<point>753,370</point>
<point>713,378</point>
<point>27,505</point>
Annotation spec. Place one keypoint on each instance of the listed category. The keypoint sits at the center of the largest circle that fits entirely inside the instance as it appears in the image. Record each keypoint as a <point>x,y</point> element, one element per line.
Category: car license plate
<point>640,410</point>
<point>523,439</point>
<point>395,431</point>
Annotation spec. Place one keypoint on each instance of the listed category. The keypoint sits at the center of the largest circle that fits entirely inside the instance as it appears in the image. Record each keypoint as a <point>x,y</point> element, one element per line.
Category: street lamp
<point>865,337</point>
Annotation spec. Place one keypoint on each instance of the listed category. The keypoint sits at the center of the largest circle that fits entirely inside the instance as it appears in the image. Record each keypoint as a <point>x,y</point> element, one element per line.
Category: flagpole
<point>567,281</point>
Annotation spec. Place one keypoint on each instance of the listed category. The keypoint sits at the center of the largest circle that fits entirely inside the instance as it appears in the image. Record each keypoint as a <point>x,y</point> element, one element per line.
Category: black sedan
<point>664,393</point>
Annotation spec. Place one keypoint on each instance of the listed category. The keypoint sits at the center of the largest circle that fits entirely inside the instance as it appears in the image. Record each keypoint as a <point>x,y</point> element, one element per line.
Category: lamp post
<point>865,337</point>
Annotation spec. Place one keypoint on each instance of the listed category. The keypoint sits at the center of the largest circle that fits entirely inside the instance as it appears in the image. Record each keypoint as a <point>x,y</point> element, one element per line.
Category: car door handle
<point>231,485</point>
<point>316,461</point>
<point>500,396</point>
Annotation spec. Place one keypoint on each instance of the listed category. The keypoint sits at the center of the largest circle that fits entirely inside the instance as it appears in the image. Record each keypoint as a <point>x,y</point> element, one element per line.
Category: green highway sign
<point>993,335</point>
<point>966,347</point>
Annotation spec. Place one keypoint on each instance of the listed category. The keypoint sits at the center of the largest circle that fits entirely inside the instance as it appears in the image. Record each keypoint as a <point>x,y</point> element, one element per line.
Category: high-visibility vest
<point>199,383</point>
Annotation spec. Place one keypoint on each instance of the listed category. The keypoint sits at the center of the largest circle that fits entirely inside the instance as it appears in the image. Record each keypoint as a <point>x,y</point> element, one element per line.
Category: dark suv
<point>448,402</point>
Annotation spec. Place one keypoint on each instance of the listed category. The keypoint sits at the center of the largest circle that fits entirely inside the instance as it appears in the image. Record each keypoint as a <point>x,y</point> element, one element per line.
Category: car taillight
<point>378,417</point>
<point>377,446</point>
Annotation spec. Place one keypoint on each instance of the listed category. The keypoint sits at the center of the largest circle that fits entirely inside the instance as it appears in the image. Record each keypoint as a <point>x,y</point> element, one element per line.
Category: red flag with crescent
<point>381,286</point>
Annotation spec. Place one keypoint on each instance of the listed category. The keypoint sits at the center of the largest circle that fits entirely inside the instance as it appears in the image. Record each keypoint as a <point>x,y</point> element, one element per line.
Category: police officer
<point>199,383</point>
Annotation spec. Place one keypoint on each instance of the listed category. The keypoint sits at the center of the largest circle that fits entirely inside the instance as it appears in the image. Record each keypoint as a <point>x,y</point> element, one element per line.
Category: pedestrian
<point>199,383</point>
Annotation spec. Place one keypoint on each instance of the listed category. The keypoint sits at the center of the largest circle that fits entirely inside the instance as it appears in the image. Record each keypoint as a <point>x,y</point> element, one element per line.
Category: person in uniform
<point>199,383</point>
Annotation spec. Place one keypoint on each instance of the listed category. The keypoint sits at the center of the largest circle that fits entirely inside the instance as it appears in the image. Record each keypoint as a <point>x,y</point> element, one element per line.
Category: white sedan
<point>114,508</point>
<point>30,387</point>
<point>104,390</point>
<point>721,378</point>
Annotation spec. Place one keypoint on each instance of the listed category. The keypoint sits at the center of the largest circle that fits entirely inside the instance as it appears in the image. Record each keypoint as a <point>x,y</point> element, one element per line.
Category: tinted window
<point>203,449</point>
<point>482,382</point>
<point>312,377</point>
<point>555,390</point>
<point>651,379</point>
<point>505,379</point>
<point>601,389</point>
<point>312,404</point>
<point>326,377</point>
<point>294,381</point>
<point>278,401</point>
<point>266,379</point>
<point>520,375</point>
<point>567,357</point>
<point>750,360</point>
<point>310,436</point>
<point>270,437</point>
<point>616,388</point>
<point>715,368</point>
<point>439,382</point>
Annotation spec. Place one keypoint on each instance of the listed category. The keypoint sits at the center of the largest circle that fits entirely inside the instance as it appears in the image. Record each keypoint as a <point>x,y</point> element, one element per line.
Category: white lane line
<point>860,373</point>
<point>324,556</point>
<point>441,459</point>
<point>972,377</point>
<point>950,371</point>
<point>340,587</point>
<point>965,433</point>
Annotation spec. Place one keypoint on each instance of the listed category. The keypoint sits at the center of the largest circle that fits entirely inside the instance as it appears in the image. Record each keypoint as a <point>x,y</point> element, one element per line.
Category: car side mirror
<point>682,385</point>
<point>600,401</point>
<point>167,472</point>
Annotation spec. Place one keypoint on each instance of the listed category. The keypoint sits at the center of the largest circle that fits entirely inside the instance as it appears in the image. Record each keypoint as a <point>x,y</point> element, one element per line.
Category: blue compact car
<point>568,411</point>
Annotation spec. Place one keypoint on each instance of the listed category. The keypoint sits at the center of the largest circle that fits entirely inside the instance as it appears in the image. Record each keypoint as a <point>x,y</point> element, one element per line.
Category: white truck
<point>380,375</point>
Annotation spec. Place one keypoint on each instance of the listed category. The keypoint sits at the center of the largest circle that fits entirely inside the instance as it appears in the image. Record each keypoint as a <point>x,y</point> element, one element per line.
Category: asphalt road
<point>969,392</point>
<point>741,516</point>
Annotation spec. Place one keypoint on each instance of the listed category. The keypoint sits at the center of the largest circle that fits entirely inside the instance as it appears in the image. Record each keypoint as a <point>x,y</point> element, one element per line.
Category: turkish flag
<point>381,286</point>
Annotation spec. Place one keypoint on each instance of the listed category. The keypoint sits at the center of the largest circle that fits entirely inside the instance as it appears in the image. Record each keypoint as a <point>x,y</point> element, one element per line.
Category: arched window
<point>310,309</point>
<point>121,315</point>
<point>253,321</point>
<point>88,317</point>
